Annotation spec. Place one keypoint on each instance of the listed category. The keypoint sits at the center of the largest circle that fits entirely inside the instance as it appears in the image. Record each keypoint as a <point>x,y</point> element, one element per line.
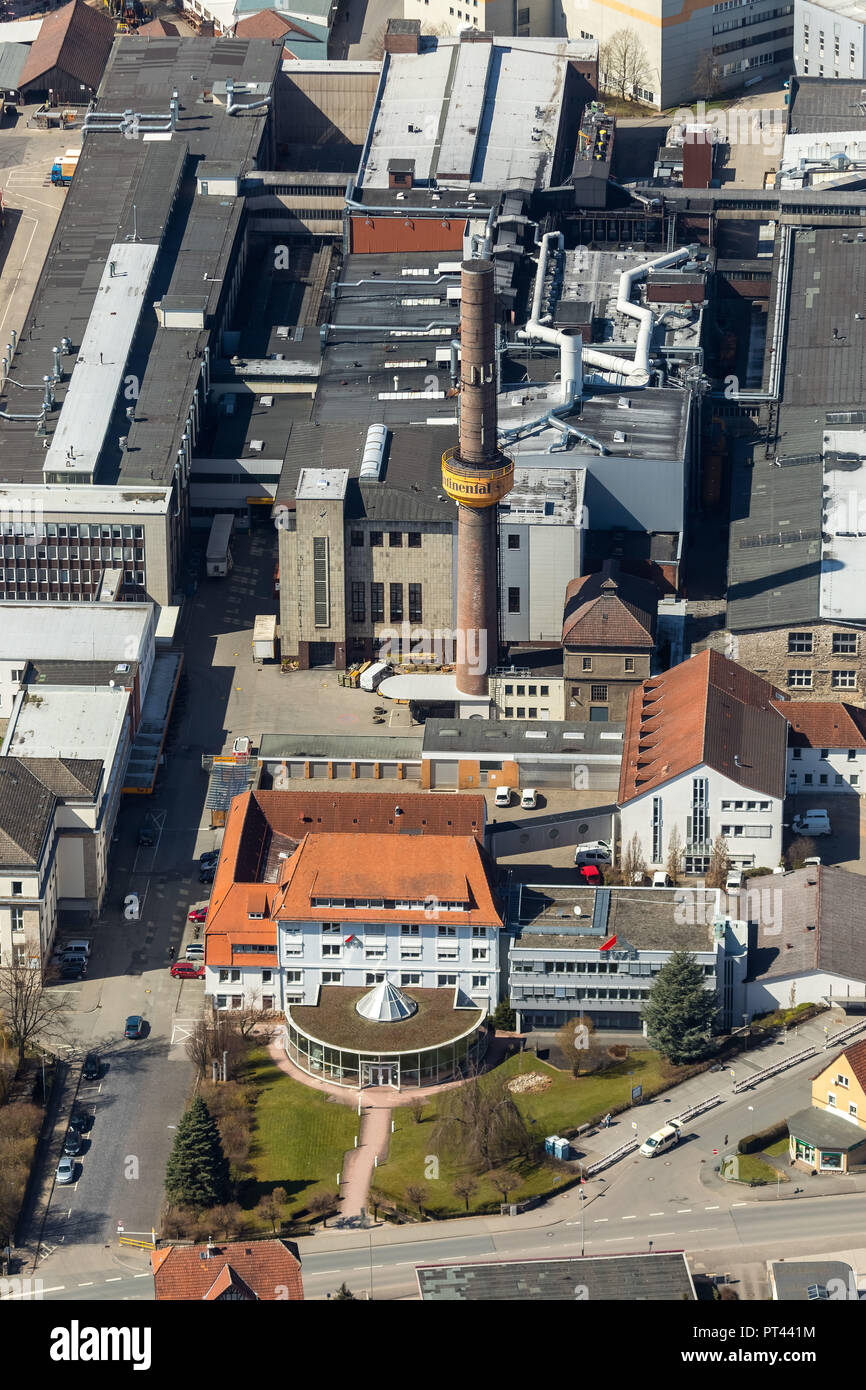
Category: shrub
<point>755,1143</point>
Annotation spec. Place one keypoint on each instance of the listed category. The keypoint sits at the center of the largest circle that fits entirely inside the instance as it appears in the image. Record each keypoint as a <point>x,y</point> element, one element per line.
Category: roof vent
<point>374,452</point>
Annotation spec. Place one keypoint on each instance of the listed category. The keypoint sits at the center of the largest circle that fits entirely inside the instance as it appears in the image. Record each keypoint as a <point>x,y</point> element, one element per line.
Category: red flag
<point>611,941</point>
<point>352,938</point>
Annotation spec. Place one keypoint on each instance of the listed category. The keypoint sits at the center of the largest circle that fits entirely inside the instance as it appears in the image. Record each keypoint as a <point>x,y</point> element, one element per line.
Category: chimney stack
<point>477,476</point>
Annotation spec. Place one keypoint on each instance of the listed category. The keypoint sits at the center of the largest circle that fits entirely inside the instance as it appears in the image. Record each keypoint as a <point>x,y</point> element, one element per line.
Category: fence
<point>614,1157</point>
<point>767,1072</point>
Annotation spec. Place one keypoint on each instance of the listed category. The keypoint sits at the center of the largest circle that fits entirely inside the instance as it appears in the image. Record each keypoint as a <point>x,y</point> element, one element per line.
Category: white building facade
<point>702,804</point>
<point>829,40</point>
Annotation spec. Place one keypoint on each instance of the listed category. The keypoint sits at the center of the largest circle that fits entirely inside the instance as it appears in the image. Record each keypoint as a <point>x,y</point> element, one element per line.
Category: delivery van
<point>663,1139</point>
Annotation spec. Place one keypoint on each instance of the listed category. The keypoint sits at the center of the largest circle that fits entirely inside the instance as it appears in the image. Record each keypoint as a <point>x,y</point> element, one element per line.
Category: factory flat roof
<point>644,919</point>
<point>88,501</point>
<point>527,738</point>
<point>476,114</point>
<point>20,31</point>
<point>819,104</point>
<point>194,234</point>
<point>67,723</point>
<point>73,631</point>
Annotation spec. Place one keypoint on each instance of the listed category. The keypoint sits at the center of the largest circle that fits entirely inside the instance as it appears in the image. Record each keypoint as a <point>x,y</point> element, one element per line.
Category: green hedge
<point>755,1143</point>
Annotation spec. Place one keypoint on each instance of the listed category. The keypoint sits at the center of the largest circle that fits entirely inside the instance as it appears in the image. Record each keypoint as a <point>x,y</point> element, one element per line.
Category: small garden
<point>750,1164</point>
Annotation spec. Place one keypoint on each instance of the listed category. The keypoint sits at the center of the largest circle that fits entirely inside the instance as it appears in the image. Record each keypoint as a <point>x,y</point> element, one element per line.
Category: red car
<point>186,970</point>
<point>591,874</point>
<point>197,914</point>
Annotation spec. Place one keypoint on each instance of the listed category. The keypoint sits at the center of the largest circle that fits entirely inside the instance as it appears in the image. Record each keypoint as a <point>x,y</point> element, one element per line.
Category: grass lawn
<point>299,1137</point>
<point>752,1168</point>
<point>565,1104</point>
<point>778,1149</point>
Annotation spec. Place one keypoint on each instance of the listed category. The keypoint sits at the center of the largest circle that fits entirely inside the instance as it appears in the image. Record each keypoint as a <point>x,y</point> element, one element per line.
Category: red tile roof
<point>77,39</point>
<point>261,1269</point>
<point>855,1056</point>
<point>610,609</point>
<point>267,24</point>
<point>823,724</point>
<point>706,711</point>
<point>159,28</point>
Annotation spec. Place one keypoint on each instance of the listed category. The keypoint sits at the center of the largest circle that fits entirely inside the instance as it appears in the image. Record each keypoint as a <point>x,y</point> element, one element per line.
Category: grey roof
<point>78,673</point>
<point>827,286</point>
<point>819,104</point>
<point>13,56</point>
<point>530,738</point>
<point>620,1278</point>
<point>67,777</point>
<point>794,1278</point>
<point>26,814</point>
<point>113,174</point>
<point>825,1130</point>
<point>366,747</point>
<point>808,920</point>
<point>644,919</point>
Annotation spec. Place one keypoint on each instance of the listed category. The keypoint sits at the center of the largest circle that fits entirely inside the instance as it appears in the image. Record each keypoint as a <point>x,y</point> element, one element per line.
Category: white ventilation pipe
<point>611,370</point>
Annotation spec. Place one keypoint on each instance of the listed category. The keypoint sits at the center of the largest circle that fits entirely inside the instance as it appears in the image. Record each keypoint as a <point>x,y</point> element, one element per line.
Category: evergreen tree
<point>197,1174</point>
<point>679,1012</point>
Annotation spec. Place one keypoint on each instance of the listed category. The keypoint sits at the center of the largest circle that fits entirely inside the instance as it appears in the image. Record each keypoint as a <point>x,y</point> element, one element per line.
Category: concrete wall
<point>766,653</point>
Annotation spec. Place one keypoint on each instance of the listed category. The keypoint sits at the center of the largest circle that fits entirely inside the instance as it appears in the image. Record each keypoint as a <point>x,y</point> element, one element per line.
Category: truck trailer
<point>264,637</point>
<point>218,560</point>
<point>64,167</point>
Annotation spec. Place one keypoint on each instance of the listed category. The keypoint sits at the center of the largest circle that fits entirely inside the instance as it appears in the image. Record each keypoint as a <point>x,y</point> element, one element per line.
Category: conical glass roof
<point>386,1004</point>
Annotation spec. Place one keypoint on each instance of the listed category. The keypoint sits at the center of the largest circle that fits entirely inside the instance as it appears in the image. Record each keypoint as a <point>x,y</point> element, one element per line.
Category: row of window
<point>527,690</point>
<point>762,60</point>
<point>824,780</point>
<point>800,678</point>
<point>586,663</point>
<point>32,576</point>
<point>596,994</point>
<point>844,643</point>
<point>526,712</point>
<point>87,555</point>
<point>334,951</point>
<point>358,598</point>
<point>825,753</point>
<point>747,805</point>
<point>728,24</point>
<point>407,980</point>
<point>81,531</point>
<point>753,42</point>
<point>395,539</point>
<point>751,832</point>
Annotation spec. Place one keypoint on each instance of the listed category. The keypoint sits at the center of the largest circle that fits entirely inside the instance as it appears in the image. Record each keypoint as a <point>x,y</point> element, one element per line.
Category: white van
<point>663,1139</point>
<point>593,852</point>
<point>79,946</point>
<point>814,822</point>
<point>661,879</point>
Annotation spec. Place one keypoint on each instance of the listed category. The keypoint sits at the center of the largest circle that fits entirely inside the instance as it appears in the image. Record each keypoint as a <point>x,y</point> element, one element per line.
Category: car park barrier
<point>698,1109</point>
<point>767,1072</point>
<point>614,1157</point>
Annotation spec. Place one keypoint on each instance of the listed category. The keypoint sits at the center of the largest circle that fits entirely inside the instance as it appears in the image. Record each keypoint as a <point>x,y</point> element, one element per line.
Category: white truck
<point>218,560</point>
<point>372,678</point>
<point>264,637</point>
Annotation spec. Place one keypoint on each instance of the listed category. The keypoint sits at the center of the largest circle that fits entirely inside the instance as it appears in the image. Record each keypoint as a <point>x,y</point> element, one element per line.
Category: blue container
<point>550,1143</point>
<point>562,1149</point>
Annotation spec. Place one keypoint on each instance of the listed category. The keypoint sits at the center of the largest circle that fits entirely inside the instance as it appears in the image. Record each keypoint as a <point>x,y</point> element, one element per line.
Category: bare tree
<point>577,1041</point>
<point>213,1040</point>
<point>719,863</point>
<point>31,1014</point>
<point>623,64</point>
<point>799,851</point>
<point>226,1219</point>
<point>465,1187</point>
<point>417,1196</point>
<point>483,1123</point>
<point>416,1110</point>
<point>504,1182</point>
<point>323,1204</point>
<point>270,1207</point>
<point>249,1014</point>
<point>674,862</point>
<point>633,863</point>
<point>706,78</point>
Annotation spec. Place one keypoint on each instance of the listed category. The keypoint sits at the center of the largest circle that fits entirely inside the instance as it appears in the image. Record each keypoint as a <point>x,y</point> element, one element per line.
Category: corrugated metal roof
<point>13,56</point>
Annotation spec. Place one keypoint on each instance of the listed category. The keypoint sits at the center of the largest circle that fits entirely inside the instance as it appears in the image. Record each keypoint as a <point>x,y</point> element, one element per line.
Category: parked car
<point>66,1171</point>
<point>72,1143</point>
<point>814,822</point>
<point>134,1026</point>
<point>187,970</point>
<point>146,837</point>
<point>209,859</point>
<point>207,876</point>
<point>195,951</point>
<point>197,914</point>
<point>663,1139</point>
<point>73,969</point>
<point>661,879</point>
<point>92,1068</point>
<point>502,799</point>
<point>528,799</point>
<point>593,852</point>
<point>591,874</point>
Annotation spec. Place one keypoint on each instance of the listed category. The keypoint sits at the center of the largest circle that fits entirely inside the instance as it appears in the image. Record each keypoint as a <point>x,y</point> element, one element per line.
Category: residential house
<point>608,634</point>
<point>705,753</point>
<point>830,1137</point>
<point>826,746</point>
<point>236,1272</point>
<point>807,938</point>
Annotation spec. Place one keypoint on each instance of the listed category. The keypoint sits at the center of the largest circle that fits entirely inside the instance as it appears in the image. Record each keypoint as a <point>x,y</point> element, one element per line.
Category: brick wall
<point>767,654</point>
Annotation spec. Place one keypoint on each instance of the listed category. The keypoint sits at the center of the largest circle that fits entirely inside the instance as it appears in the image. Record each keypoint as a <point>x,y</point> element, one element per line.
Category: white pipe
<point>569,344</point>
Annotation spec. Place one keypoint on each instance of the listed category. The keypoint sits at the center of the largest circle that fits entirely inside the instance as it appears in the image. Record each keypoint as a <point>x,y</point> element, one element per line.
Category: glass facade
<point>403,1070</point>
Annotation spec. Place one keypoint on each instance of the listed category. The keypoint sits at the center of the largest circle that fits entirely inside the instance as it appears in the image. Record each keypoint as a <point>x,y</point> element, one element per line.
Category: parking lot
<point>33,206</point>
<point>846,845</point>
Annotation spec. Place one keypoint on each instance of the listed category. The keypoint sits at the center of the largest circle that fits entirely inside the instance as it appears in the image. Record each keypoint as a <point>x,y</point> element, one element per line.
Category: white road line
<point>118,1279</point>
<point>740,1204</point>
<point>657,1234</point>
<point>88,1285</point>
<point>141,1276</point>
<point>656,1213</point>
<point>711,1208</point>
<point>682,1210</point>
<point>599,1220</point>
<point>629,1218</point>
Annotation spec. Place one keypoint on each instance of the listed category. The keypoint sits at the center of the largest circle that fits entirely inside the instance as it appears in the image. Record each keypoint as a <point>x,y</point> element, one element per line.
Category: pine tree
<point>197,1174</point>
<point>680,1011</point>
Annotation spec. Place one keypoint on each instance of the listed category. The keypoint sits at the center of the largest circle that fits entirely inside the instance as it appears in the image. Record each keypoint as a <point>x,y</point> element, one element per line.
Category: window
<point>396,602</point>
<point>799,641</point>
<point>395,539</point>
<point>374,977</point>
<point>358,607</point>
<point>320,581</point>
<point>377,603</point>
<point>415,603</point>
<point>844,680</point>
<point>293,977</point>
<point>657,830</point>
<point>854,779</point>
<point>841,1080</point>
<point>852,755</point>
<point>446,930</point>
<point>479,982</point>
<point>800,679</point>
<point>831,1099</point>
<point>513,541</point>
<point>446,981</point>
<point>514,600</point>
<point>480,953</point>
<point>410,980</point>
<point>375,537</point>
<point>414,540</point>
<point>808,779</point>
<point>267,976</point>
<point>331,948</point>
<point>629,663</point>
<point>544,690</point>
<point>797,754</point>
<point>699,833</point>
<point>587,663</point>
<point>598,692</point>
<point>357,538</point>
<point>17,916</point>
<point>411,930</point>
<point>825,753</point>
<point>332,977</point>
<point>17,888</point>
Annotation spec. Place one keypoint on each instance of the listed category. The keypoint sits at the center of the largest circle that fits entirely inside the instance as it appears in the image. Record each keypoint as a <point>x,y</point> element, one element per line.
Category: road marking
<point>599,1221</point>
<point>118,1279</point>
<point>147,1276</point>
<point>629,1218</point>
<point>88,1285</point>
<point>739,1204</point>
<point>681,1210</point>
<point>700,1230</point>
<point>656,1213</point>
<point>711,1208</point>
<point>657,1234</point>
